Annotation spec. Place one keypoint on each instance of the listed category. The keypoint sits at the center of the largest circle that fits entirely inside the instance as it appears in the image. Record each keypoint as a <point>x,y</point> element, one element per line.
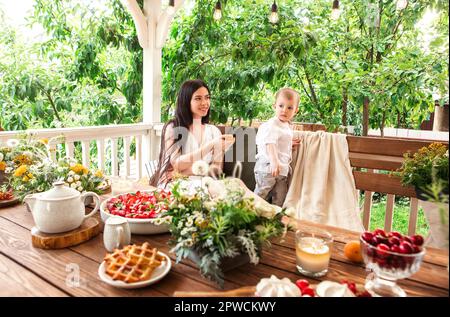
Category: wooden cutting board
<point>88,229</point>
<point>7,203</point>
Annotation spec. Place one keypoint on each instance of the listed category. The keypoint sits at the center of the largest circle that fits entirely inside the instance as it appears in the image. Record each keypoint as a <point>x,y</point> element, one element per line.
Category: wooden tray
<point>7,203</point>
<point>88,229</point>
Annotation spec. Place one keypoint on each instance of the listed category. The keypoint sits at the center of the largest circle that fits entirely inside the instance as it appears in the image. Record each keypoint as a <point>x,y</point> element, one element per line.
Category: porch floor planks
<point>17,281</point>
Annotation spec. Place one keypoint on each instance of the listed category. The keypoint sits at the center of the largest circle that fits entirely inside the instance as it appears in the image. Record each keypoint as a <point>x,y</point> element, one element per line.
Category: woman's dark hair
<point>183,118</point>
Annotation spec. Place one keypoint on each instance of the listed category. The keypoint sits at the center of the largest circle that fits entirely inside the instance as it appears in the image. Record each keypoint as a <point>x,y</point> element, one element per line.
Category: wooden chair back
<point>372,158</point>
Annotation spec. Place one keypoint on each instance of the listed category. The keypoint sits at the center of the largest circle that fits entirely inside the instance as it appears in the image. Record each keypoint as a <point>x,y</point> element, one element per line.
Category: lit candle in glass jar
<point>313,253</point>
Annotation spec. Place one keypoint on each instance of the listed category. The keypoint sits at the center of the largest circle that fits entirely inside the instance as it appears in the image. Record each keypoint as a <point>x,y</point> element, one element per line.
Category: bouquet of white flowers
<point>210,230</point>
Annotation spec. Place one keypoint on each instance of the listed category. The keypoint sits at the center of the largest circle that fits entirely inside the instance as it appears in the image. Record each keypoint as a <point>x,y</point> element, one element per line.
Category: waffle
<point>133,263</point>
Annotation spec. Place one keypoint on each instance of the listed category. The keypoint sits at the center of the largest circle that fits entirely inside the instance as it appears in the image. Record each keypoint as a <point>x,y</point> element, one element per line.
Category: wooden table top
<point>28,271</point>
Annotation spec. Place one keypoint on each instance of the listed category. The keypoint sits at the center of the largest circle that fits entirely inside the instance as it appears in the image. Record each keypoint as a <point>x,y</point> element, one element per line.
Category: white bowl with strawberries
<point>144,210</point>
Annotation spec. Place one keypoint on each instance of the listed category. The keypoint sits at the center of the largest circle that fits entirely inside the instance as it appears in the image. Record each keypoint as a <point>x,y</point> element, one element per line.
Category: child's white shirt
<point>279,133</point>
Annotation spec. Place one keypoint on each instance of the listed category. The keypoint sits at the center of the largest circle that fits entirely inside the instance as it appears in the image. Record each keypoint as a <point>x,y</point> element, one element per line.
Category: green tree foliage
<point>369,56</point>
<point>88,71</point>
<point>365,69</point>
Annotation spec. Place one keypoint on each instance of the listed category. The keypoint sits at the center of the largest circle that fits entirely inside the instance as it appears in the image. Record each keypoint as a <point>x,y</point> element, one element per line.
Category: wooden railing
<point>371,155</point>
<point>103,136</point>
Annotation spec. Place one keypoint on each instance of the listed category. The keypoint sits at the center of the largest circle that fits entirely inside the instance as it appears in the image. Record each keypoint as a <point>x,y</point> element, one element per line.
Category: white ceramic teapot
<point>59,209</point>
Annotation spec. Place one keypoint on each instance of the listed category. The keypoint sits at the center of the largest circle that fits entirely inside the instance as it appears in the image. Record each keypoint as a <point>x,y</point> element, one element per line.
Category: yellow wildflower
<point>22,169</point>
<point>45,141</point>
<point>22,159</point>
<point>25,179</point>
<point>79,169</point>
<point>2,166</point>
<point>99,174</point>
<point>30,176</point>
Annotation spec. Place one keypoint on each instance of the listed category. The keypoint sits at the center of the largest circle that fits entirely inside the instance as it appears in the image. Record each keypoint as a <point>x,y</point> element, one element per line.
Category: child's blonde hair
<point>290,94</point>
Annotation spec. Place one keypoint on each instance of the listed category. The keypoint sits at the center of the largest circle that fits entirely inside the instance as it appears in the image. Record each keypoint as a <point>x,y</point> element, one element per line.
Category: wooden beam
<point>385,146</point>
<point>382,183</point>
<point>373,161</point>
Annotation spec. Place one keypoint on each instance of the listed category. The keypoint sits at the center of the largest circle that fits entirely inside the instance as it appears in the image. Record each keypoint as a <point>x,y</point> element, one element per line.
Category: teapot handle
<point>96,199</point>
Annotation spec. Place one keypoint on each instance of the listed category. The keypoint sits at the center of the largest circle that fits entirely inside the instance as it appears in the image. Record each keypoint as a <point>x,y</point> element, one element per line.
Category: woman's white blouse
<point>211,132</point>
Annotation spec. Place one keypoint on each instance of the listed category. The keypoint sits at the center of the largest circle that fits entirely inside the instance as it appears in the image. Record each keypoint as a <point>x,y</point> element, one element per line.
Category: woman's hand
<point>222,143</point>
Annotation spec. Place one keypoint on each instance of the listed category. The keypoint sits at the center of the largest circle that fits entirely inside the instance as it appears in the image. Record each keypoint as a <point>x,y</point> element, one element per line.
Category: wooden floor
<point>27,271</point>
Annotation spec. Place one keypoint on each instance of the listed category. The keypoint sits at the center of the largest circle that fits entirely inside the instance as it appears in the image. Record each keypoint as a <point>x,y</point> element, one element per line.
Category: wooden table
<point>27,271</point>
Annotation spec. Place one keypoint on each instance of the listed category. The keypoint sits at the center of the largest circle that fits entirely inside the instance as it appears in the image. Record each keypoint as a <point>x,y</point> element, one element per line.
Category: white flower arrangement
<point>208,230</point>
<point>200,168</point>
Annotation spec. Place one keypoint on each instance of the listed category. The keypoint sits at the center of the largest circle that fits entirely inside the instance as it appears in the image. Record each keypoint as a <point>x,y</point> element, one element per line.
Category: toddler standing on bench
<point>274,142</point>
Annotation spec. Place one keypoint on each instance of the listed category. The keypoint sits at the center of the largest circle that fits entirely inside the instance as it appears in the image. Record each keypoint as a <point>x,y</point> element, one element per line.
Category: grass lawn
<point>401,217</point>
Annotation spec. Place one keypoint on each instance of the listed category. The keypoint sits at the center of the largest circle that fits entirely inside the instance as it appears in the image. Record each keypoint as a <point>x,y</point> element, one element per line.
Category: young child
<point>274,143</point>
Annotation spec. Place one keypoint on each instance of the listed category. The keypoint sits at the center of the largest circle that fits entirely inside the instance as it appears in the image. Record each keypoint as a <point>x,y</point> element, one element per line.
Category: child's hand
<point>296,141</point>
<point>275,169</point>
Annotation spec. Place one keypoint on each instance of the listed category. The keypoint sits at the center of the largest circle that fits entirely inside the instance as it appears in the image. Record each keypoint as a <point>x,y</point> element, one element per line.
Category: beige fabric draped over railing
<point>322,187</point>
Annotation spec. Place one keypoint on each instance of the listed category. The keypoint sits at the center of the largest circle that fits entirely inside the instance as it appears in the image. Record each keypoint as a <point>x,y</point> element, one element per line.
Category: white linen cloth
<point>322,187</point>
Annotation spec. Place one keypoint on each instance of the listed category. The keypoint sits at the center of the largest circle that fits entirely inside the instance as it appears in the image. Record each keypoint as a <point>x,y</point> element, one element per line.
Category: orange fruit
<point>352,251</point>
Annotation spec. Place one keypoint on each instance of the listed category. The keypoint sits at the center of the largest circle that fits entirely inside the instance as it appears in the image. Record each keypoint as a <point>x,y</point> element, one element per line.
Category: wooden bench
<point>372,158</point>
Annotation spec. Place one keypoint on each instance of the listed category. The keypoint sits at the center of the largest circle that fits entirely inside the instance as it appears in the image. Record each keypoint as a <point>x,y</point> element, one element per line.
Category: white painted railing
<point>104,137</point>
<point>412,134</point>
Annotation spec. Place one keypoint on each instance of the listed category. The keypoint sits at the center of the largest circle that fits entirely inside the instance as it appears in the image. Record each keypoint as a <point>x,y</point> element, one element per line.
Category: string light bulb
<point>402,4</point>
<point>171,7</point>
<point>273,18</point>
<point>336,11</point>
<point>217,11</point>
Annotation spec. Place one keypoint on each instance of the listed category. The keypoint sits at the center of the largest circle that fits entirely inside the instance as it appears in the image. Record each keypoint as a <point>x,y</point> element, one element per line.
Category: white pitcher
<point>116,233</point>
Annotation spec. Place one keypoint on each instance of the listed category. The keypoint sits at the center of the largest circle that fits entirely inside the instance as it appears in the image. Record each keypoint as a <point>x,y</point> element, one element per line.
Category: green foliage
<point>245,60</point>
<point>426,166</point>
<point>400,219</point>
<point>88,71</point>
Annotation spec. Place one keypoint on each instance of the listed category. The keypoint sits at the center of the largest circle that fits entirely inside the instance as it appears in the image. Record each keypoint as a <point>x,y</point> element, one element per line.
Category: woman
<point>188,137</point>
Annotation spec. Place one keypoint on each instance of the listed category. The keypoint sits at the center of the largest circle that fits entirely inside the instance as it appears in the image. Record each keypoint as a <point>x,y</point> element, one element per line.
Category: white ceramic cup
<point>116,233</point>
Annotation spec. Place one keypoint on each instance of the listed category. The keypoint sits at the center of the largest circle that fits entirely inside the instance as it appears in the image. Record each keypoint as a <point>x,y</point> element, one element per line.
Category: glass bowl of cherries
<point>391,256</point>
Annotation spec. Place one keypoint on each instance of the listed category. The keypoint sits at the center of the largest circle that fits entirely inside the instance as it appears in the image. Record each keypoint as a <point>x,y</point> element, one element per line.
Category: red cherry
<point>382,249</point>
<point>367,236</point>
<point>364,294</point>
<point>417,240</point>
<point>406,247</point>
<point>375,241</point>
<point>352,287</point>
<point>302,284</point>
<point>395,234</point>
<point>308,291</point>
<point>394,240</point>
<point>379,232</point>
<point>395,248</point>
<point>416,249</point>
<point>407,239</point>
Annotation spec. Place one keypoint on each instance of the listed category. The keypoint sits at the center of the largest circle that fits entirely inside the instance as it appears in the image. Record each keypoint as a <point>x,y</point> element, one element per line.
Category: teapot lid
<point>59,191</point>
